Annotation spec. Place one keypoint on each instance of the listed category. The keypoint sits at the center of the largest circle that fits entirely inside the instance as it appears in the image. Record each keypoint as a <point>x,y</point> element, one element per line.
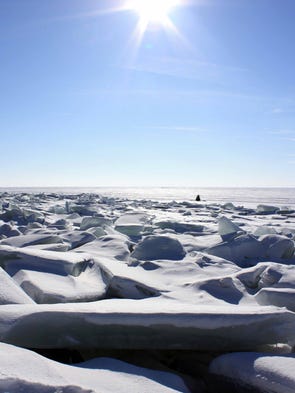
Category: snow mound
<point>158,247</point>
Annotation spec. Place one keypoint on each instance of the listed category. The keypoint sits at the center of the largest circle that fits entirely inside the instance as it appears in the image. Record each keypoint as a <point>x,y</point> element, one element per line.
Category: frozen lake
<point>246,196</point>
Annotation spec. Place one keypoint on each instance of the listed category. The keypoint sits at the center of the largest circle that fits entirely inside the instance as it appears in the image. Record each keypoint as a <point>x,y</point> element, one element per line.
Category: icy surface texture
<point>87,272</point>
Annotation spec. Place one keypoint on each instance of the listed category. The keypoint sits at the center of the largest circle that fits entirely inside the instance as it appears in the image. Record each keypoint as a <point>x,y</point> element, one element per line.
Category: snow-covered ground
<point>173,281</point>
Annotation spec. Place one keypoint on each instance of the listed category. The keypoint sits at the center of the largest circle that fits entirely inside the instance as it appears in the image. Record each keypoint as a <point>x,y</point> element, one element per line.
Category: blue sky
<point>209,104</point>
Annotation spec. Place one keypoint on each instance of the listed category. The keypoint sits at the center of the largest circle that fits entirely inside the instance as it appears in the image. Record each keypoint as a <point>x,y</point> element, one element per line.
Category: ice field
<point>147,290</point>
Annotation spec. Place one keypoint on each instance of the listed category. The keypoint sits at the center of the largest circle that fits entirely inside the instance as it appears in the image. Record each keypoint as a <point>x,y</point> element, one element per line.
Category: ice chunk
<point>277,246</point>
<point>264,230</point>
<point>97,231</point>
<point>277,275</point>
<point>77,239</point>
<point>8,230</point>
<point>58,209</point>
<point>10,292</point>
<point>126,287</point>
<point>158,247</point>
<point>267,209</point>
<point>131,224</point>
<point>268,274</point>
<point>59,224</point>
<point>91,222</point>
<point>229,206</point>
<point>239,250</point>
<point>251,276</point>
<point>281,297</point>
<point>227,229</point>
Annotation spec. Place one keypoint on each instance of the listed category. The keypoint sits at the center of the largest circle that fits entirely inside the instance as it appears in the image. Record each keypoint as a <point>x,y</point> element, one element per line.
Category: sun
<point>153,11</point>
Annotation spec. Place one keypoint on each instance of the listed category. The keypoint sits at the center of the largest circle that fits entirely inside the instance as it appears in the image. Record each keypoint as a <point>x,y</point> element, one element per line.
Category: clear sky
<point>205,100</point>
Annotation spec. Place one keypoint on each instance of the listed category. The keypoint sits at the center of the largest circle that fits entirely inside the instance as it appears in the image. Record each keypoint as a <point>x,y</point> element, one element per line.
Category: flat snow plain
<point>145,296</point>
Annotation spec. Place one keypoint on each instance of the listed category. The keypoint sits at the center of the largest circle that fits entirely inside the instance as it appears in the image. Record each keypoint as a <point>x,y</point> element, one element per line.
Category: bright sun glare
<point>154,11</point>
<point>151,13</point>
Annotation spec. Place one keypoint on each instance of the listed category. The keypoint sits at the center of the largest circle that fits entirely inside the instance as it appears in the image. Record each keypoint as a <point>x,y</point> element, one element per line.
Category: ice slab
<point>49,288</point>
<point>13,259</point>
<point>267,209</point>
<point>145,324</point>
<point>31,240</point>
<point>266,372</point>
<point>132,224</point>
<point>180,227</point>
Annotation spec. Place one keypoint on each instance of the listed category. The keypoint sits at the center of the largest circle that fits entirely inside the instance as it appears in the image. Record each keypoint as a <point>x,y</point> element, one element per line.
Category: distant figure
<point>198,198</point>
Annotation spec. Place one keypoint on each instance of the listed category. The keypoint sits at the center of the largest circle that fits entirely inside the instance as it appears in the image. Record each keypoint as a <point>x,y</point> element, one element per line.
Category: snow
<point>95,272</point>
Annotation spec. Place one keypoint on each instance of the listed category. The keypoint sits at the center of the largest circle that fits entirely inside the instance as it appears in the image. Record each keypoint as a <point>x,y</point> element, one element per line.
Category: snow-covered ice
<point>88,272</point>
<point>26,371</point>
<point>267,372</point>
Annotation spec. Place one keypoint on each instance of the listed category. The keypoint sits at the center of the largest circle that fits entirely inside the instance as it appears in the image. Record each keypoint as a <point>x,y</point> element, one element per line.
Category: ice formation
<point>174,283</point>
